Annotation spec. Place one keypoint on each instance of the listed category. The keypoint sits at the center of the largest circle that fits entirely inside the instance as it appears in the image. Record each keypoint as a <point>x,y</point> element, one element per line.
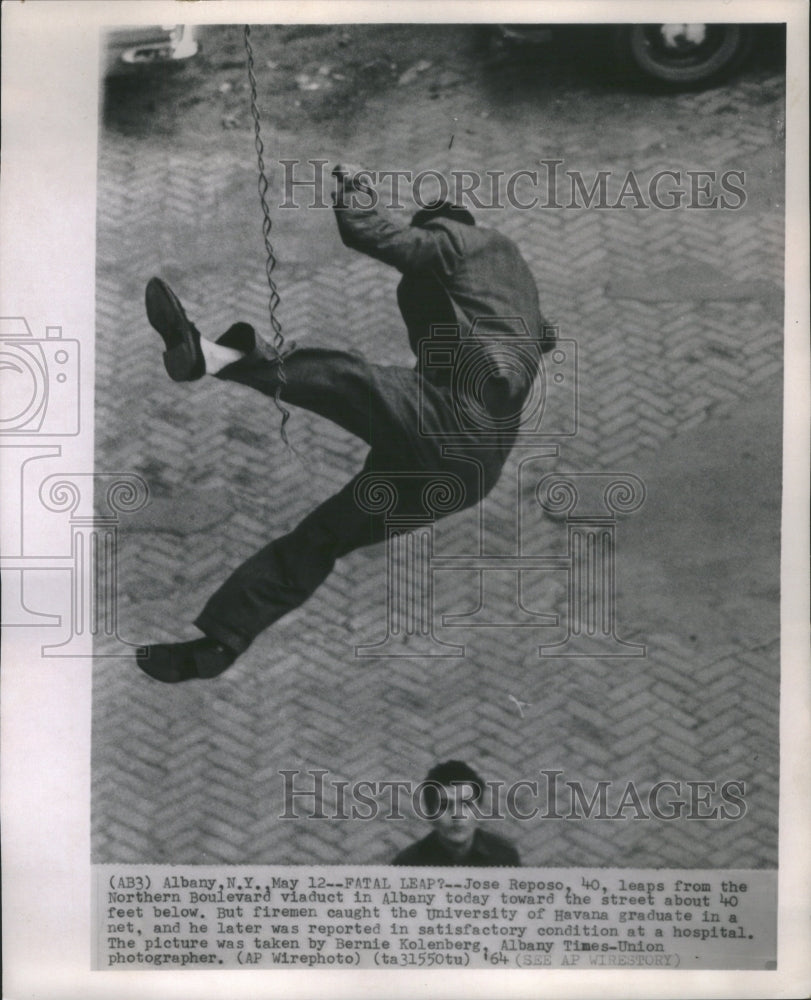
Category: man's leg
<point>366,400</point>
<point>282,575</point>
<point>337,385</point>
<point>379,405</point>
<point>334,384</point>
<point>275,580</point>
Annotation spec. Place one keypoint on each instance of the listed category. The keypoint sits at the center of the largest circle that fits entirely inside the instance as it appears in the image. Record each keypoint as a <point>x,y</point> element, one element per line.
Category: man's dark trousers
<point>381,405</point>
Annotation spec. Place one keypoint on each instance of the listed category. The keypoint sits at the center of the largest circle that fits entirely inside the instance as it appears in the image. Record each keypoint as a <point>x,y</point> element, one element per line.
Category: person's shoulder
<point>415,853</point>
<point>499,849</point>
<point>481,238</point>
<point>458,233</point>
<point>497,238</point>
<point>478,246</point>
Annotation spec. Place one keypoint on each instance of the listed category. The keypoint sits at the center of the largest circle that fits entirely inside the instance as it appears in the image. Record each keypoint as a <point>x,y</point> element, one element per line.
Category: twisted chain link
<point>267,225</point>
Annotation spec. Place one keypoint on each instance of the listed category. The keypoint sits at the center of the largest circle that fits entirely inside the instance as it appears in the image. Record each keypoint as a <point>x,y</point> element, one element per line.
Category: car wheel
<point>680,56</point>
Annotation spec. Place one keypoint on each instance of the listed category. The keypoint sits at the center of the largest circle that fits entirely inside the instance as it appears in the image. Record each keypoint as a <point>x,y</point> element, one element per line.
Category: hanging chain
<point>267,225</point>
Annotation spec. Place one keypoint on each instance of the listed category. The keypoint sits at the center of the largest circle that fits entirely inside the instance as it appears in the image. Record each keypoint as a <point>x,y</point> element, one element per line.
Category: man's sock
<point>217,356</point>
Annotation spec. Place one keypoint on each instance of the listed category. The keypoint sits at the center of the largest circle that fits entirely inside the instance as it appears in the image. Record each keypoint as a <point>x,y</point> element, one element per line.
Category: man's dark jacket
<point>454,273</point>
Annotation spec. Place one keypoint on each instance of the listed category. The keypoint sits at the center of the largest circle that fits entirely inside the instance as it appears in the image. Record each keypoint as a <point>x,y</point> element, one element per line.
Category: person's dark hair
<point>442,209</point>
<point>449,773</point>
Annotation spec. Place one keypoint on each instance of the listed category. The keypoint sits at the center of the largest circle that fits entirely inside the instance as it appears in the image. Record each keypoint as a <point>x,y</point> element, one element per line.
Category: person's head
<point>442,210</point>
<point>450,789</point>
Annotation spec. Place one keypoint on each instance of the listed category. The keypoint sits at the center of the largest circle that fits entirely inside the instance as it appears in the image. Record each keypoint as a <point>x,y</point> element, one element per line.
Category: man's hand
<point>353,177</point>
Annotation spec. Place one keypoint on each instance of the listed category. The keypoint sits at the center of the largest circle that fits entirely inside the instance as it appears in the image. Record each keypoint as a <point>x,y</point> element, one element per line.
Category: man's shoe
<point>185,661</point>
<point>183,358</point>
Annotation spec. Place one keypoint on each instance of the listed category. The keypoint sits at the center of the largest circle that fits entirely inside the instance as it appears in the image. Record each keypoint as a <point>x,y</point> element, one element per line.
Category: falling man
<point>470,282</point>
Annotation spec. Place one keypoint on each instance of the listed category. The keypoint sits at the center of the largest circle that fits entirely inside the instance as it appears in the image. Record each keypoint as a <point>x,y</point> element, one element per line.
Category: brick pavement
<point>190,773</point>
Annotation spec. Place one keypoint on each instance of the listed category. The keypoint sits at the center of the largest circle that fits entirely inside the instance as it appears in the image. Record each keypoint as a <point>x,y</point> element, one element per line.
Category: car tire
<point>681,56</point>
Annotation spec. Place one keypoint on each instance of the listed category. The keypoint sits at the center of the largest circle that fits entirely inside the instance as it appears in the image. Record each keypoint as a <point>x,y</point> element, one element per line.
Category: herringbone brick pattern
<point>191,773</point>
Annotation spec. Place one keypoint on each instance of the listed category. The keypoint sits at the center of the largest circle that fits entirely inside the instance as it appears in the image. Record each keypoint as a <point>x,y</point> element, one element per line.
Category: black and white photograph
<point>404,485</point>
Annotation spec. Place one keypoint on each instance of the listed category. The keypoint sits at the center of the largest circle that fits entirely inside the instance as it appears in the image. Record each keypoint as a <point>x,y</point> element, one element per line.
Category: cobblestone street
<point>675,319</point>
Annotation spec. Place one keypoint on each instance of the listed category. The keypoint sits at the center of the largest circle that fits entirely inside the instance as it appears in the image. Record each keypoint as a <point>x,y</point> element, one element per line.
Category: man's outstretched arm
<point>408,248</point>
